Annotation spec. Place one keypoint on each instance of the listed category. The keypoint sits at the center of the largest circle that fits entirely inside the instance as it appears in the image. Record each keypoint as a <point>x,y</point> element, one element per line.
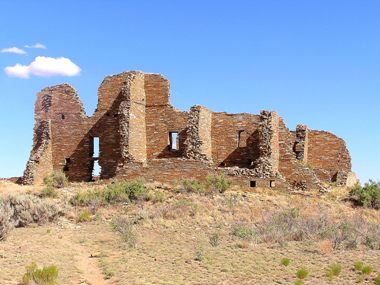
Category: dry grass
<point>173,244</point>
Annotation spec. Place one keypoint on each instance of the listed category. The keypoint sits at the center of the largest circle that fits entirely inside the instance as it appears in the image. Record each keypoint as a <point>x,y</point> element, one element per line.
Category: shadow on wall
<point>243,156</point>
<point>106,128</point>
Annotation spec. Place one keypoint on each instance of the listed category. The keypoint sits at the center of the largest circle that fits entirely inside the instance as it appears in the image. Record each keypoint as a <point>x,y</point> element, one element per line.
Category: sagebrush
<point>22,210</point>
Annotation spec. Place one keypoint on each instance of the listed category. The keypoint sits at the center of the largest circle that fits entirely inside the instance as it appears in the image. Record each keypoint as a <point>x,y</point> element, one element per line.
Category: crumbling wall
<point>61,108</point>
<point>135,123</point>
<point>40,163</point>
<point>198,134</point>
<point>329,157</point>
<point>301,145</point>
<point>266,165</point>
<point>298,175</point>
<point>234,139</point>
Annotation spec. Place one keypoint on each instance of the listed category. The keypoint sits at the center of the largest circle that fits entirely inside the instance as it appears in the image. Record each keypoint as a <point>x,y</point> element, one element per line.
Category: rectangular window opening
<point>173,140</point>
<point>272,184</point>
<point>253,184</point>
<point>95,147</point>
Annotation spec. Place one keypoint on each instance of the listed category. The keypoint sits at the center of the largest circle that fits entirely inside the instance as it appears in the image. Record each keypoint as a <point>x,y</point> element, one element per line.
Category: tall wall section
<point>198,144</point>
<point>162,119</point>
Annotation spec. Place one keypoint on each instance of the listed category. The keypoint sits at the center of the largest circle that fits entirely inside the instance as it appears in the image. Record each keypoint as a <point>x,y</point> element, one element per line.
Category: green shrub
<point>334,270</point>
<point>367,269</point>
<point>298,282</point>
<point>368,195</point>
<point>358,265</point>
<point>285,261</point>
<point>125,191</point>
<point>302,273</point>
<point>218,183</point>
<point>243,231</point>
<point>57,179</point>
<point>44,276</point>
<point>155,196</point>
<point>377,280</point>
<point>85,216</point>
<point>192,186</point>
<point>88,198</point>
<point>214,239</point>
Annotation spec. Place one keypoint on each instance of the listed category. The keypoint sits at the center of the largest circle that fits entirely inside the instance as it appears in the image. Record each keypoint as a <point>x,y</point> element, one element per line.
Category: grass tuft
<point>302,273</point>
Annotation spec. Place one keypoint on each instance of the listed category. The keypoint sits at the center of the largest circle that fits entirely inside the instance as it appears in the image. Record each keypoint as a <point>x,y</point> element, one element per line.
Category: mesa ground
<point>190,238</point>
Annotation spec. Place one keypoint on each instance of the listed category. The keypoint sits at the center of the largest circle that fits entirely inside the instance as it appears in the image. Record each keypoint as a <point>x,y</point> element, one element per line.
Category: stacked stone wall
<point>297,174</point>
<point>136,124</point>
<point>266,165</point>
<point>198,143</point>
<point>301,144</point>
<point>329,156</point>
<point>40,162</point>
<point>234,139</point>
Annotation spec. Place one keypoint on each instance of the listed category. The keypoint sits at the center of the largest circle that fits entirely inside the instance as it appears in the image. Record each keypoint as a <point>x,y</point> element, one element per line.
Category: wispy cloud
<point>37,45</point>
<point>44,67</point>
<point>15,50</point>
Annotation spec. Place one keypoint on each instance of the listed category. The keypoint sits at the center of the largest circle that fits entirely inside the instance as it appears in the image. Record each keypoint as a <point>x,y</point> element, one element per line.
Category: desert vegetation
<point>264,236</point>
<point>367,195</point>
<point>40,276</point>
<point>23,210</point>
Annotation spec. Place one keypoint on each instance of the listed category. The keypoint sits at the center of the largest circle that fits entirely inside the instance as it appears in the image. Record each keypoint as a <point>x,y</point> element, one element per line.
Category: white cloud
<point>44,67</point>
<point>37,45</point>
<point>15,50</point>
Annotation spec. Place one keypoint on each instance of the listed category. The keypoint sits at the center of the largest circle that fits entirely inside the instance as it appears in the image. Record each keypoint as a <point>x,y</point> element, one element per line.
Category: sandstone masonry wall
<point>301,145</point>
<point>234,139</point>
<point>198,143</point>
<point>141,134</point>
<point>329,157</point>
<point>40,162</point>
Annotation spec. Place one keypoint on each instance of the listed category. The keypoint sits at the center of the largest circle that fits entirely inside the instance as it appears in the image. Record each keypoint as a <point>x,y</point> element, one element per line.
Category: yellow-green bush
<point>57,179</point>
<point>41,276</point>
<point>218,183</point>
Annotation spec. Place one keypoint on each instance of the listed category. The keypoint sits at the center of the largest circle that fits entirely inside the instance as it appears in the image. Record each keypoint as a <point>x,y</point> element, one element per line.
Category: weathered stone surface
<point>266,165</point>
<point>198,134</point>
<point>136,126</point>
<point>40,161</point>
<point>301,144</point>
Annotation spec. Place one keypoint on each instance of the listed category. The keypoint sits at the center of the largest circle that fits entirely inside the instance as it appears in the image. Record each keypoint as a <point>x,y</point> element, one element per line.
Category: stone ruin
<point>140,134</point>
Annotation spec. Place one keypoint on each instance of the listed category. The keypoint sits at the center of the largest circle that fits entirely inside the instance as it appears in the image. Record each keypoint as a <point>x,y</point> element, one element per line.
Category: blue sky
<point>314,62</point>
